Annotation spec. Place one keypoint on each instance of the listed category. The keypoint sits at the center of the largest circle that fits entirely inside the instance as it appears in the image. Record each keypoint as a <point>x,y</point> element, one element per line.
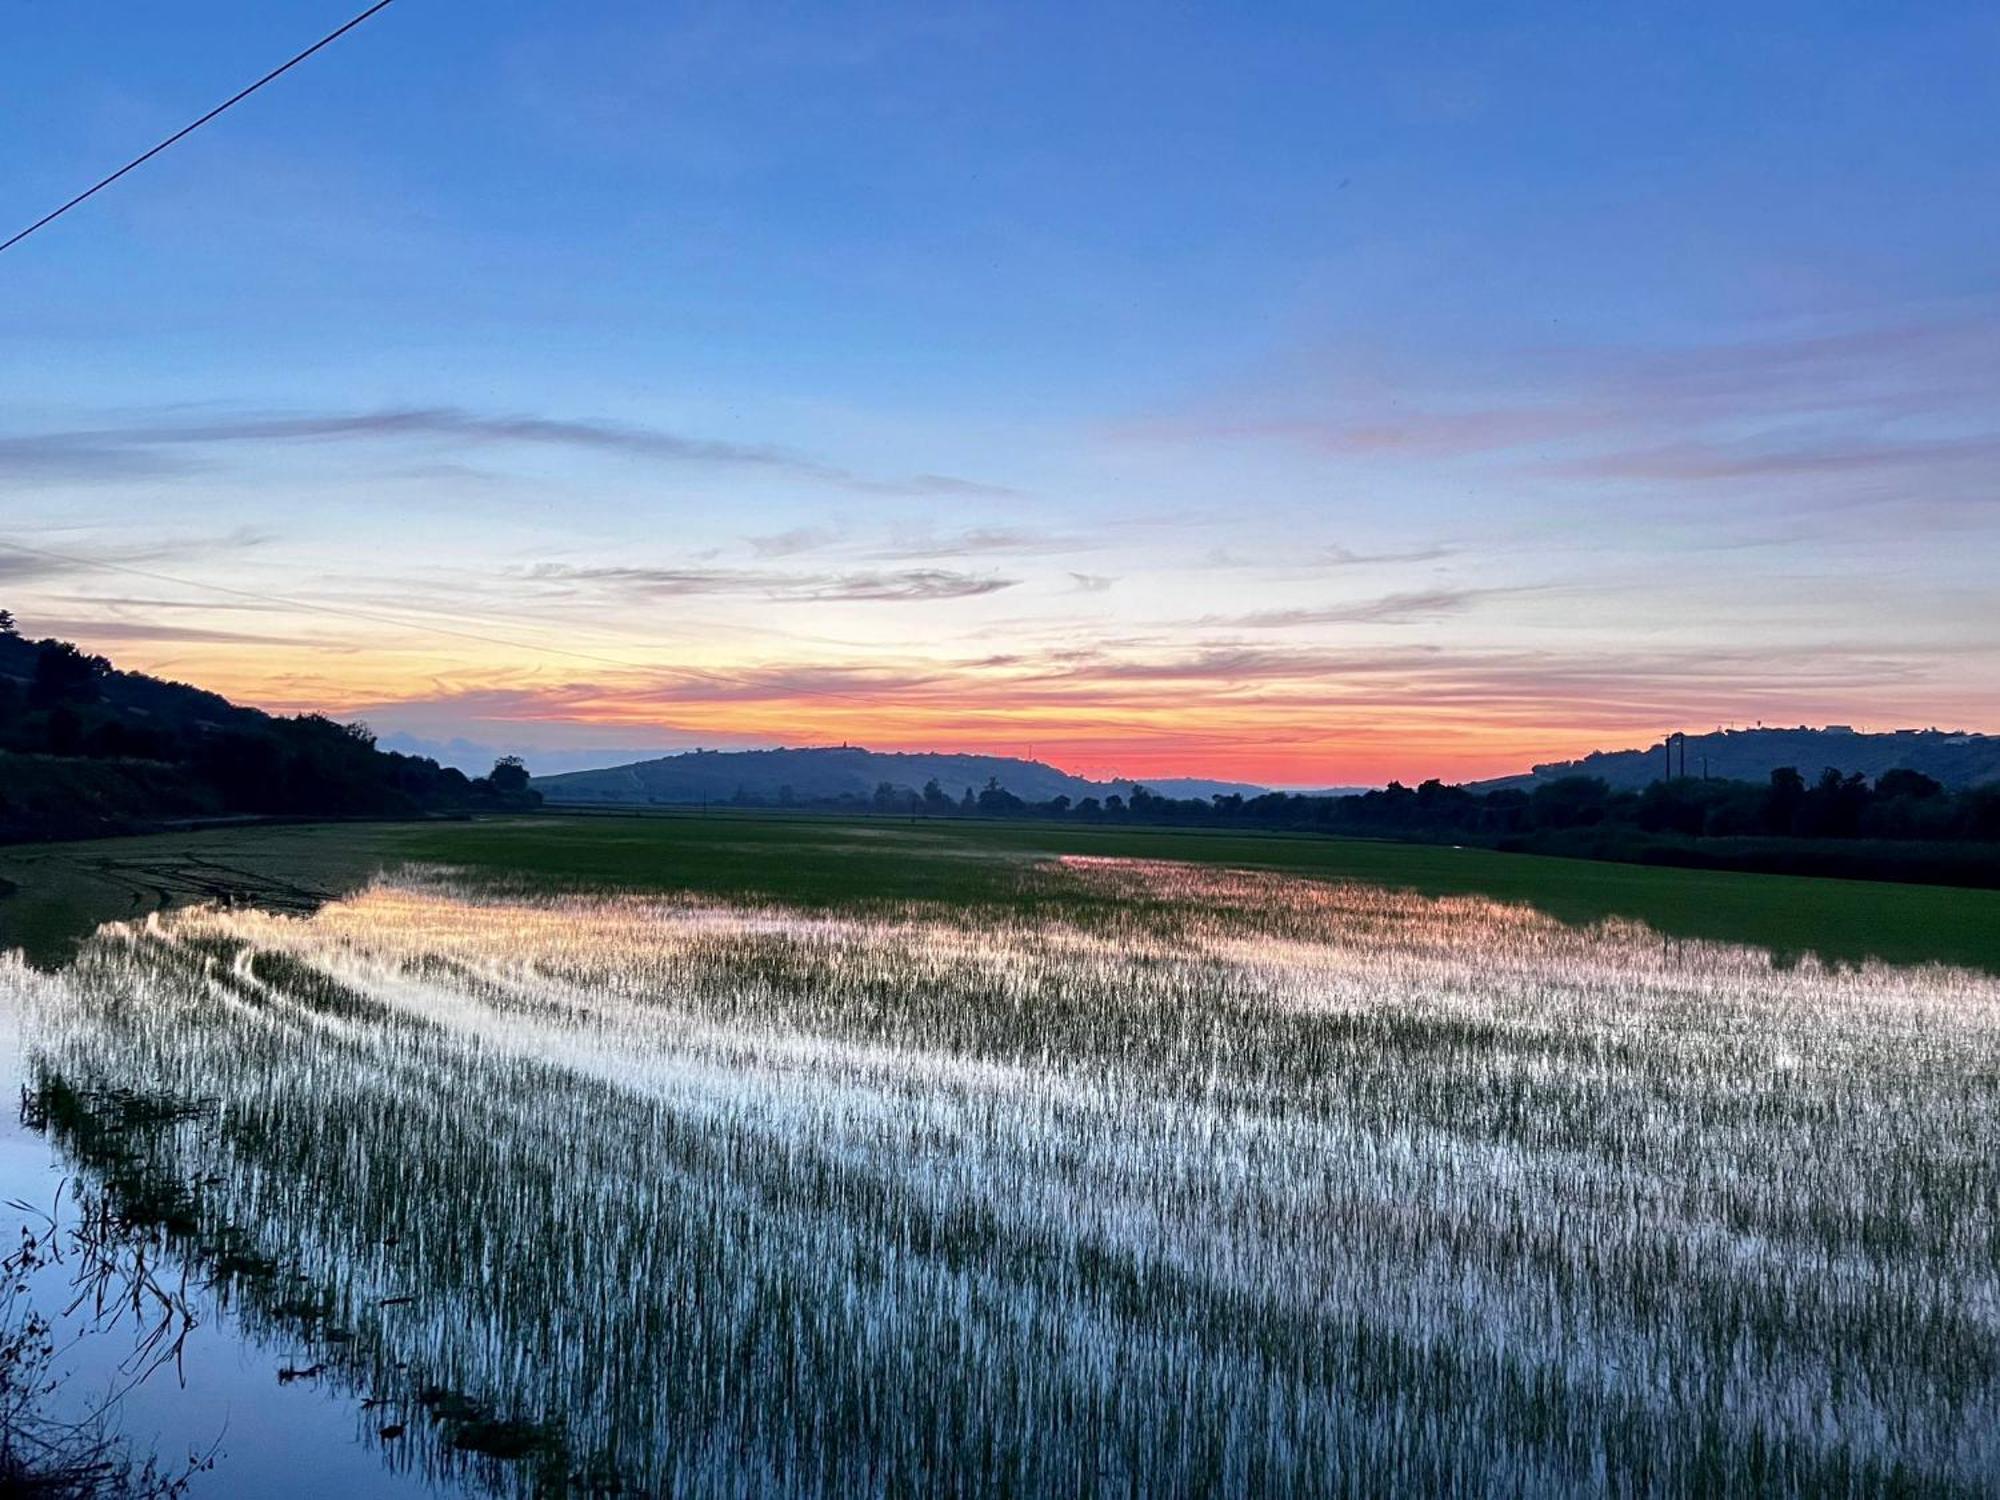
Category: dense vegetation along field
<point>831,860</point>
<point>62,891</point>
<point>1142,1178</point>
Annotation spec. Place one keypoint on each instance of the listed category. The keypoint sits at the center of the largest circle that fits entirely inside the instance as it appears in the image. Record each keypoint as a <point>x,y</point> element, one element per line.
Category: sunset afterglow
<point>1247,407</point>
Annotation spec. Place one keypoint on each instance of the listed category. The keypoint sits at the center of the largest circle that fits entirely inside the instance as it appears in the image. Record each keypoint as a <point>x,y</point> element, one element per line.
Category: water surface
<point>1238,1183</point>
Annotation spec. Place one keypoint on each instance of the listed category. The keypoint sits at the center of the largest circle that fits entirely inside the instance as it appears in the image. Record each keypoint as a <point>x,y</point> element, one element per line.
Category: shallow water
<point>1259,1185</point>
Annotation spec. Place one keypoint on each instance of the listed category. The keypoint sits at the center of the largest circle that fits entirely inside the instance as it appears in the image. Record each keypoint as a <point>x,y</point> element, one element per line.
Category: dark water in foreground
<point>1261,1186</point>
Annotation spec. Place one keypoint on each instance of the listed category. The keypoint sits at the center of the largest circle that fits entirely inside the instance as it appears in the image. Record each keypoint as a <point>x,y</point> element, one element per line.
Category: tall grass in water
<point>1230,1183</point>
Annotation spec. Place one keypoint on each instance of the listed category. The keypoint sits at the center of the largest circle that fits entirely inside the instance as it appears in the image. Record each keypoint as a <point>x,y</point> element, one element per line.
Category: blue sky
<point>1312,394</point>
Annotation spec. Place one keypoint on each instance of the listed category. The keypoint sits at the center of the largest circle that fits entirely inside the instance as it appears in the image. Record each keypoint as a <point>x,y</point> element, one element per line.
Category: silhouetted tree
<point>997,799</point>
<point>1906,783</point>
<point>1833,808</point>
<point>1782,802</point>
<point>937,801</point>
<point>64,674</point>
<point>7,625</point>
<point>1909,805</point>
<point>1568,802</point>
<point>1676,806</point>
<point>1981,812</point>
<point>509,775</point>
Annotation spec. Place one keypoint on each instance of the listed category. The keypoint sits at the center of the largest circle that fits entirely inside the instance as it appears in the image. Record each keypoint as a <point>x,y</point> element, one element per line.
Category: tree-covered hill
<point>818,776</point>
<point>1953,757</point>
<point>87,749</point>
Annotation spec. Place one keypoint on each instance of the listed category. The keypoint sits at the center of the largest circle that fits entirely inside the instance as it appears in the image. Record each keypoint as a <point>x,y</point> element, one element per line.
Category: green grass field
<point>61,891</point>
<point>829,860</point>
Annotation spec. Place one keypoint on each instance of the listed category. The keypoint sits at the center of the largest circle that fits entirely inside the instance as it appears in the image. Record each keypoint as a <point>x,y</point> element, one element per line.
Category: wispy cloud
<point>1015,541</point>
<point>97,632</point>
<point>125,450</point>
<point>795,541</point>
<point>1709,461</point>
<point>1513,683</point>
<point>79,458</point>
<point>1391,609</point>
<point>900,586</point>
<point>1823,406</point>
<point>1335,556</point>
<point>24,563</point>
<point>918,546</point>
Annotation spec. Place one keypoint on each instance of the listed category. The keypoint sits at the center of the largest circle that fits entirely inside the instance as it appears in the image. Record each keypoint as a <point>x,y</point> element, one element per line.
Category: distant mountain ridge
<point>1957,758</point>
<point>829,773</point>
<point>822,774</point>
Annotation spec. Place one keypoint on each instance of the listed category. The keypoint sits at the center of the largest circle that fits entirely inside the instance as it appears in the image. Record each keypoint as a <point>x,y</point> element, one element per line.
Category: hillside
<point>88,749</point>
<point>1956,758</point>
<point>831,774</point>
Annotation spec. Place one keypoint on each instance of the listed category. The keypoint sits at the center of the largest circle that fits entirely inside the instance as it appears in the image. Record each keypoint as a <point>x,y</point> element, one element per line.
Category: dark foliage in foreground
<point>85,748</point>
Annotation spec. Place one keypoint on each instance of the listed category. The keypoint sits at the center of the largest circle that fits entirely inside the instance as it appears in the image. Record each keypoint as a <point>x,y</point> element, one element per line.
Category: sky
<point>1304,395</point>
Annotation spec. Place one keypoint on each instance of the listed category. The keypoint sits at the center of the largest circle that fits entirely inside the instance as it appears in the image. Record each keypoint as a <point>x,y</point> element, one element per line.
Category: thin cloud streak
<point>1699,461</point>
<point>1392,609</point>
<point>1011,541</point>
<point>1336,556</point>
<point>134,450</point>
<point>908,585</point>
<point>21,563</point>
<point>1908,399</point>
<point>65,458</point>
<point>1003,541</point>
<point>96,632</point>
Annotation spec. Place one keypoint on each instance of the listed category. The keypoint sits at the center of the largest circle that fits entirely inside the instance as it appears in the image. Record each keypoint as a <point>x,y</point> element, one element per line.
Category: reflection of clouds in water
<point>1240,1180</point>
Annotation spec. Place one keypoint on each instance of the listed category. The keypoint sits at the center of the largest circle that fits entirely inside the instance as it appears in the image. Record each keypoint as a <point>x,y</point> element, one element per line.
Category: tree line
<point>1901,825</point>
<point>86,747</point>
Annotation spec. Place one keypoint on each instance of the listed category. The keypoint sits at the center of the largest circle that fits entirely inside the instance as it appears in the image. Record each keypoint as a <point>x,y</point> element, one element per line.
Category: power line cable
<point>187,130</point>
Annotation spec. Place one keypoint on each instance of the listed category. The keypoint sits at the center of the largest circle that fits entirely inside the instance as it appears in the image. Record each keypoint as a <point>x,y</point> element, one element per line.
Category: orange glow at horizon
<point>1125,717</point>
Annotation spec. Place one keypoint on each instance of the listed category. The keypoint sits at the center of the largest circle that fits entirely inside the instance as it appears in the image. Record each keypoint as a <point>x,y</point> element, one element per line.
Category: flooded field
<point>1180,1181</point>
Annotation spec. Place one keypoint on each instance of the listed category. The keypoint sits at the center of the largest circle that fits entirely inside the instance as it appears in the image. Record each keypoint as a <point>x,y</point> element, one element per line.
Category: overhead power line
<point>187,130</point>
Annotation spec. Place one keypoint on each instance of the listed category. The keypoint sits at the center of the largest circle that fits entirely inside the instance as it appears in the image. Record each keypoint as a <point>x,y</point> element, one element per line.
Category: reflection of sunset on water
<point>680,1183</point>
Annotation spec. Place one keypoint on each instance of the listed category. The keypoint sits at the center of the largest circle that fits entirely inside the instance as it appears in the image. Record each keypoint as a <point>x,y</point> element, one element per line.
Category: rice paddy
<point>1164,1179</point>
